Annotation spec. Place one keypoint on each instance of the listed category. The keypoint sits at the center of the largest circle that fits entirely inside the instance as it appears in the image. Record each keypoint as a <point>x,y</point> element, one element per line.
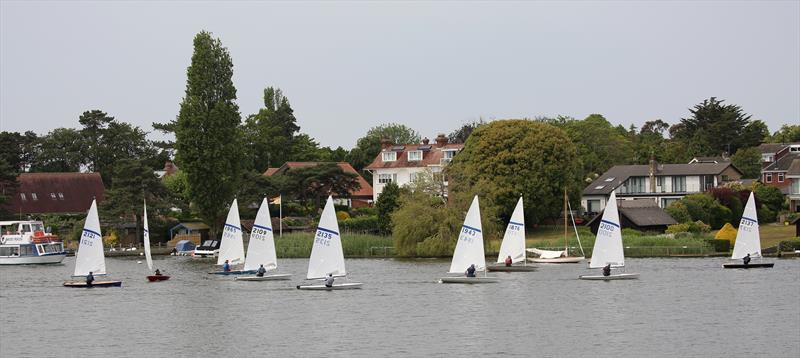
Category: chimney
<point>386,143</point>
<point>441,140</point>
<point>653,174</point>
<point>425,141</point>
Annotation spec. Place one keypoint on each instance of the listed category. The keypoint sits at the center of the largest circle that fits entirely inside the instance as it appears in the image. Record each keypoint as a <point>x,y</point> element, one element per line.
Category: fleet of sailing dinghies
<point>513,244</point>
<point>147,255</point>
<point>261,248</point>
<point>469,250</point>
<point>608,245</point>
<point>90,257</point>
<point>327,257</point>
<point>748,240</point>
<point>231,248</point>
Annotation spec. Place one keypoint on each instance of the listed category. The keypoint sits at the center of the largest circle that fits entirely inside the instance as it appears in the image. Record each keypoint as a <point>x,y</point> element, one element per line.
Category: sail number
<point>607,227</point>
<point>467,235</point>
<point>87,238</point>
<point>259,234</point>
<point>512,227</point>
<point>323,238</point>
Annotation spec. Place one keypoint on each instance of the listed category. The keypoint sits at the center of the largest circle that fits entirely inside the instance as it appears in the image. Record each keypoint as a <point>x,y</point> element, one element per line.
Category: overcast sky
<point>349,66</point>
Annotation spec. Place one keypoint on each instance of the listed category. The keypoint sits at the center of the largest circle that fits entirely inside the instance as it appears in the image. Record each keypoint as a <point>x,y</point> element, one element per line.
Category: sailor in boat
<point>508,261</point>
<point>329,280</point>
<point>226,266</point>
<point>471,271</point>
<point>158,272</point>
<point>89,279</point>
<point>607,270</point>
<point>261,271</point>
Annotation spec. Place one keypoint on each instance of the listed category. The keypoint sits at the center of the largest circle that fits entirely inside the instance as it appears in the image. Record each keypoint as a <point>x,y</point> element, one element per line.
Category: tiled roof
<point>433,156</point>
<point>774,147</point>
<point>794,168</point>
<point>641,212</point>
<point>63,193</point>
<point>365,190</point>
<point>618,174</point>
<point>783,164</point>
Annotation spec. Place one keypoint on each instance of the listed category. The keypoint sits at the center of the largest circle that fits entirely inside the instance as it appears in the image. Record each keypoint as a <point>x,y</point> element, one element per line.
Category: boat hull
<point>336,286</point>
<point>154,278</point>
<point>504,268</point>
<point>33,260</point>
<point>234,272</point>
<point>82,284</point>
<point>276,277</point>
<point>468,280</point>
<point>619,276</point>
<point>749,266</point>
<point>558,260</point>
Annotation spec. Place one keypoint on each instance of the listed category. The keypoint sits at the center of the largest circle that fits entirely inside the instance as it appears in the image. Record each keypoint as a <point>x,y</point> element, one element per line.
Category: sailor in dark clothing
<point>471,271</point>
<point>158,272</point>
<point>746,260</point>
<point>607,270</point>
<point>261,271</point>
<point>509,261</point>
<point>329,280</point>
<point>226,267</point>
<point>89,279</point>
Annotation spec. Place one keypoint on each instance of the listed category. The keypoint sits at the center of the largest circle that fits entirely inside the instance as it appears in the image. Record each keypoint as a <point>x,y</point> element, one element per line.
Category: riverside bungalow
<point>661,183</point>
<point>56,193</point>
<point>643,215</point>
<point>402,163</point>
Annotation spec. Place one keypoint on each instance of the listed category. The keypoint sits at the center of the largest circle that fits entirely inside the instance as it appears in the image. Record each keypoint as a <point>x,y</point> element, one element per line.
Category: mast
<point>566,242</point>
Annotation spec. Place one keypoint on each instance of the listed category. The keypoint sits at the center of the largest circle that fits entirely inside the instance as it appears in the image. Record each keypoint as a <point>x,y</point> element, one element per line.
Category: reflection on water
<point>679,308</point>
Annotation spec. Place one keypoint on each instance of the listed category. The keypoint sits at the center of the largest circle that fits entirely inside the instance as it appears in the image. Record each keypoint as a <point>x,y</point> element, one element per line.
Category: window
<point>34,197</point>
<point>679,184</point>
<point>389,156</point>
<point>666,202</point>
<point>593,206</point>
<point>780,177</point>
<point>53,196</point>
<point>60,196</point>
<point>635,185</point>
<point>768,177</point>
<point>415,176</point>
<point>26,228</point>
<point>449,154</point>
<point>795,187</point>
<point>414,155</point>
<point>609,179</point>
<point>599,187</point>
<point>23,197</point>
<point>386,178</point>
<point>660,187</point>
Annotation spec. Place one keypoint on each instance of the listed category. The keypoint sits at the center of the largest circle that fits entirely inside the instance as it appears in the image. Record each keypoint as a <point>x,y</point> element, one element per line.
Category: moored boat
<point>27,242</point>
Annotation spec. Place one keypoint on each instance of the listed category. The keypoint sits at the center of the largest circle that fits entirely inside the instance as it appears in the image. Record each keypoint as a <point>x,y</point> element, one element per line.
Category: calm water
<point>679,308</point>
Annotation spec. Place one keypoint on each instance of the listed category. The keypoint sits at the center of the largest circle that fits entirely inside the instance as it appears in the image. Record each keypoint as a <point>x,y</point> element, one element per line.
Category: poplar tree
<point>207,130</point>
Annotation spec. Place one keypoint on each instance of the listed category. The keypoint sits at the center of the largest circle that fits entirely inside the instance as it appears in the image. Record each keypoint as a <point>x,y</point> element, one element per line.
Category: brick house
<point>56,193</point>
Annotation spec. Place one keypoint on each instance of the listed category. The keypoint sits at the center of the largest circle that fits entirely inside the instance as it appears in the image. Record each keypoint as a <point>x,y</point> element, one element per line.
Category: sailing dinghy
<point>90,257</point>
<point>608,245</point>
<point>147,255</point>
<point>748,240</point>
<point>327,257</point>
<point>231,248</point>
<point>560,257</point>
<point>469,249</point>
<point>261,248</point>
<point>513,244</point>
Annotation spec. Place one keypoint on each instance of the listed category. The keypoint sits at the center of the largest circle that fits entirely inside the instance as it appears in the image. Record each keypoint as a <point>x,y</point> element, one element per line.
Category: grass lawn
<point>772,234</point>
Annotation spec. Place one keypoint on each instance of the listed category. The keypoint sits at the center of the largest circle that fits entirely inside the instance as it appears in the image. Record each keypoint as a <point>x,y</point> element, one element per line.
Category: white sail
<point>90,256</point>
<point>261,249</point>
<point>327,256</point>
<point>232,248</point>
<point>147,241</point>
<point>469,249</point>
<point>748,240</point>
<point>514,239</point>
<point>608,244</point>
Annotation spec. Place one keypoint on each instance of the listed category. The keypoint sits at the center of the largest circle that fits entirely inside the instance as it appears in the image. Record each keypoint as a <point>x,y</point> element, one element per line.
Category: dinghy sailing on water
<point>146,238</point>
<point>90,258</point>
<point>608,245</point>
<point>261,248</point>
<point>513,246</point>
<point>748,239</point>
<point>231,248</point>
<point>469,252</point>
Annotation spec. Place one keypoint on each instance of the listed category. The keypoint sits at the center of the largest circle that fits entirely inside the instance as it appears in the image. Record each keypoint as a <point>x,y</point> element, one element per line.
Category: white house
<point>401,163</point>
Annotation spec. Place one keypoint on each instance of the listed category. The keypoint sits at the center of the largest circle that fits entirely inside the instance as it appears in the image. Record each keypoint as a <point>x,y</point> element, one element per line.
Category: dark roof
<point>62,193</point>
<point>618,174</point>
<point>431,155</point>
<point>642,213</point>
<point>794,168</point>
<point>192,226</point>
<point>771,147</point>
<point>783,164</point>
<point>709,160</point>
<point>365,190</point>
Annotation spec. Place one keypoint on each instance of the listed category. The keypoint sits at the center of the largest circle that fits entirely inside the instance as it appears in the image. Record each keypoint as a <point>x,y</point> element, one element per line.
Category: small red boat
<point>154,278</point>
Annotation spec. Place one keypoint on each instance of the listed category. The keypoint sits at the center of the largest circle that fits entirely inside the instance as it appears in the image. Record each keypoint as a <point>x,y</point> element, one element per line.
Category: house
<point>660,183</point>
<point>774,174</point>
<point>722,159</point>
<point>402,163</point>
<point>357,198</point>
<point>772,152</point>
<point>643,215</point>
<point>793,176</point>
<point>169,169</point>
<point>56,193</point>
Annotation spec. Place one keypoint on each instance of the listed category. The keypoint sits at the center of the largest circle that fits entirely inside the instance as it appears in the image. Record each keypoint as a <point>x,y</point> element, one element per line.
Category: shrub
<point>789,245</point>
<point>697,227</point>
<point>435,247</point>
<point>728,233</point>
<point>720,245</point>
<point>418,218</point>
<point>366,224</point>
<point>628,232</point>
<point>342,216</point>
<point>770,196</point>
<point>363,211</point>
<point>111,239</point>
<point>679,212</point>
<point>766,215</point>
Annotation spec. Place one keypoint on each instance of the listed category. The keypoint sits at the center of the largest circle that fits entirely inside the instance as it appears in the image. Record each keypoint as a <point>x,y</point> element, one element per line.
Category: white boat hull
<point>619,276</point>
<point>32,260</point>
<point>468,280</point>
<point>336,286</point>
<point>275,277</point>
<point>558,260</point>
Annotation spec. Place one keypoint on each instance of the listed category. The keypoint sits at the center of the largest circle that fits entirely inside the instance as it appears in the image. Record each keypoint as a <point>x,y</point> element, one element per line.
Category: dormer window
<point>449,154</point>
<point>34,197</point>
<point>22,196</point>
<point>53,196</point>
<point>414,155</point>
<point>609,179</point>
<point>60,196</point>
<point>389,156</point>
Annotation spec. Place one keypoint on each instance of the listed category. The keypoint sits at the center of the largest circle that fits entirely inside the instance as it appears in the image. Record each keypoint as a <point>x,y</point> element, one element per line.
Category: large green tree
<point>505,159</point>
<point>270,133</point>
<point>748,160</point>
<point>715,127</point>
<point>461,134</point>
<point>60,150</point>
<point>368,146</point>
<point>787,134</point>
<point>599,144</point>
<point>207,133</point>
<point>314,183</point>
